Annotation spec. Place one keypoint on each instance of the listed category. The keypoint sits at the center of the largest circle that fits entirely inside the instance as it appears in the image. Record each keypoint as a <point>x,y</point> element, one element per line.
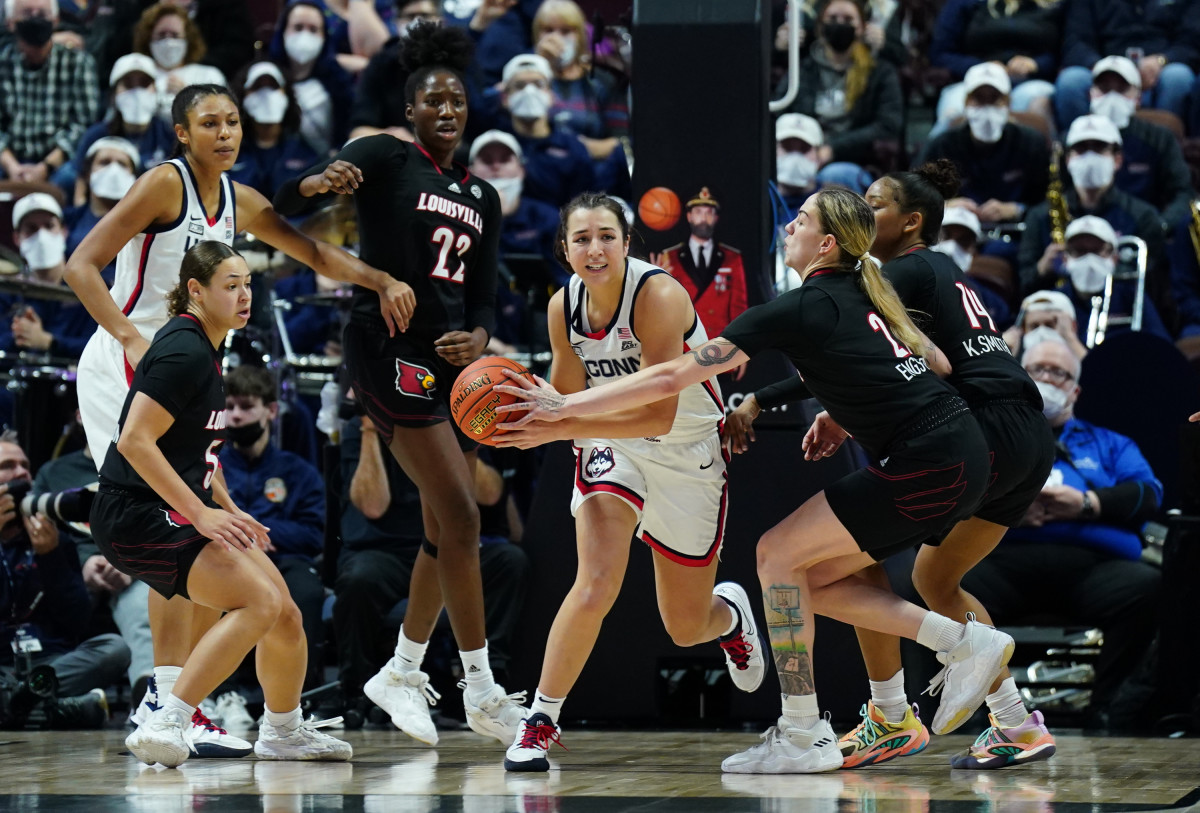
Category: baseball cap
<point>130,63</point>
<point>988,74</point>
<point>527,62</point>
<point>35,202</point>
<point>798,125</point>
<point>961,216</point>
<point>116,143</point>
<point>1049,301</point>
<point>495,137</point>
<point>1120,65</point>
<point>1093,128</point>
<point>260,69</point>
<point>1095,226</point>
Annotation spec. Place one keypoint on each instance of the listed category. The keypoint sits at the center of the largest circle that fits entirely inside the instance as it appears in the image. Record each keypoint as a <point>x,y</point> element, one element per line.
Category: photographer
<point>45,608</point>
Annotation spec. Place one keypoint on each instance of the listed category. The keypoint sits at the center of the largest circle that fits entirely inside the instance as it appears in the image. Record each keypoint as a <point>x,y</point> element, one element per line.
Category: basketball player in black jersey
<point>426,220</point>
<point>908,209</point>
<point>848,334</point>
<point>157,487</point>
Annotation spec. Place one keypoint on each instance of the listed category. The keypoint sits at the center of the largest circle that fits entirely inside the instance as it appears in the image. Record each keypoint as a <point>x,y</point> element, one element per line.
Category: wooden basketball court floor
<point>612,770</point>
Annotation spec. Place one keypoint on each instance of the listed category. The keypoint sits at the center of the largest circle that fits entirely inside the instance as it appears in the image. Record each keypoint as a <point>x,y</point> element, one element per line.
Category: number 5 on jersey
<point>446,239</point>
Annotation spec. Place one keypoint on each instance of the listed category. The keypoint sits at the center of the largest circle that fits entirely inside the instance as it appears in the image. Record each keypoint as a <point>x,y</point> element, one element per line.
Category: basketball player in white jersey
<point>172,207</point>
<point>659,469</point>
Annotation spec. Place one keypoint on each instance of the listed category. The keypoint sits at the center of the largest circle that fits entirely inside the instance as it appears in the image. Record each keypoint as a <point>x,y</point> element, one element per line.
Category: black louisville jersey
<point>437,229</point>
<point>869,382</point>
<point>181,372</point>
<point>952,316</point>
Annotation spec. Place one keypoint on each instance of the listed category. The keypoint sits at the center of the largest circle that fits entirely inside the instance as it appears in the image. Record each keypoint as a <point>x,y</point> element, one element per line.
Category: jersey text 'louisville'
<point>870,383</point>
<point>181,372</point>
<point>437,229</point>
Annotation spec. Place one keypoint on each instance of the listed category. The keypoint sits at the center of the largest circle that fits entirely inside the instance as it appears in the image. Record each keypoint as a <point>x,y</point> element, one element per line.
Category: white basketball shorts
<point>103,382</point>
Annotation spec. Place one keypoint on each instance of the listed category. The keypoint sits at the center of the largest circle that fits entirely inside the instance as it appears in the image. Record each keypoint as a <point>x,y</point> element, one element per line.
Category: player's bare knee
<point>597,592</point>
<point>265,605</point>
<point>685,629</point>
<point>289,624</point>
<point>933,587</point>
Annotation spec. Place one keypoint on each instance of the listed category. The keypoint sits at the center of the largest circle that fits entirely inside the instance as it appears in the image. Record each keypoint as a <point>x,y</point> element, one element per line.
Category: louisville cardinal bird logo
<point>414,380</point>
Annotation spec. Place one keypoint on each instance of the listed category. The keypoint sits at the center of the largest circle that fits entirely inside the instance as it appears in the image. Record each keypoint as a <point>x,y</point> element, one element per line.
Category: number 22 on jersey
<point>446,240</point>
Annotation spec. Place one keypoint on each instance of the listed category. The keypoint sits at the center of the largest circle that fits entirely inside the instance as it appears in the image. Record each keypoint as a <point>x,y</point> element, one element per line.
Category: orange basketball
<point>473,402</point>
<point>659,208</point>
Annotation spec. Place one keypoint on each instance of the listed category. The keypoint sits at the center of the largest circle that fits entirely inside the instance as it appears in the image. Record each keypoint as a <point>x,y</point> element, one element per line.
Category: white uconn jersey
<point>148,265</point>
<point>614,351</point>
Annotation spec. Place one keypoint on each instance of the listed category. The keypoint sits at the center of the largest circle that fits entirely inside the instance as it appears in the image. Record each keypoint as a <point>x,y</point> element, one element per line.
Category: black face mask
<point>245,435</point>
<point>35,31</point>
<point>840,36</point>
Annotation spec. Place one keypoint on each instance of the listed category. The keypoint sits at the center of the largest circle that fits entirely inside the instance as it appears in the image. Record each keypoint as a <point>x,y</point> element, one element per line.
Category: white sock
<point>173,702</point>
<point>801,710</point>
<point>889,697</point>
<point>1006,704</point>
<point>164,679</point>
<point>550,706</point>
<point>409,654</point>
<point>735,619</point>
<point>289,720</point>
<point>939,633</point>
<point>478,671</point>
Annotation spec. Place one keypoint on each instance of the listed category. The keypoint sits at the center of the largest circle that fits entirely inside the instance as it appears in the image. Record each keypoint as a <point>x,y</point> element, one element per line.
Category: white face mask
<point>509,189</point>
<point>795,169</point>
<point>530,102</point>
<point>111,182</point>
<point>951,248</point>
<point>169,53</point>
<point>266,106</point>
<point>137,105</point>
<point>44,249</point>
<point>1116,107</point>
<point>1045,333</point>
<point>986,122</point>
<point>569,52</point>
<point>1091,170</point>
<point>1054,400</point>
<point>303,46</point>
<point>1089,272</point>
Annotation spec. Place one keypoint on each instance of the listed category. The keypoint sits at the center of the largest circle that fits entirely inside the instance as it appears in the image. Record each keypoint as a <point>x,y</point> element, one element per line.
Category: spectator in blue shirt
<point>1077,555</point>
<point>282,490</point>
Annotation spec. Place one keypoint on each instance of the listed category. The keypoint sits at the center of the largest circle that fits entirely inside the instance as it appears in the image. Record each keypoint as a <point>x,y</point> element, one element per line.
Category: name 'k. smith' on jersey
<point>614,351</point>
<point>148,265</point>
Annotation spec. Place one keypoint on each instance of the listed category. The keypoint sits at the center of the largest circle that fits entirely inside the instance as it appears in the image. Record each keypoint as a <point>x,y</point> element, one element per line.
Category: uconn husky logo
<point>600,463</point>
<point>414,380</point>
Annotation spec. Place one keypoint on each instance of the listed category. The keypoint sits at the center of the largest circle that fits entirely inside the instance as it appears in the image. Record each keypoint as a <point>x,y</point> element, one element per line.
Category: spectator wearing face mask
<point>1093,158</point>
<point>960,239</point>
<point>1152,166</point>
<point>167,34</point>
<point>110,167</point>
<point>58,328</point>
<point>1043,315</point>
<point>302,49</point>
<point>130,115</point>
<point>50,94</point>
<point>798,138</point>
<point>272,150</point>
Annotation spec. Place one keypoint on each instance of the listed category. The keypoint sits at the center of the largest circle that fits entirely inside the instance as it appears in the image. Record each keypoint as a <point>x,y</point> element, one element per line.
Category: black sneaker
<point>87,711</point>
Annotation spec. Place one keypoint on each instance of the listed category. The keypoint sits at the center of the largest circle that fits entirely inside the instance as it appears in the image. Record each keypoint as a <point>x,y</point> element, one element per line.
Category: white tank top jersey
<point>614,351</point>
<point>148,265</point>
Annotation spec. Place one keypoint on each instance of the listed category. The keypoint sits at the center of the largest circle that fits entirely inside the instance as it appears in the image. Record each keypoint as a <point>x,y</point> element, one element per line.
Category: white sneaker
<point>149,704</point>
<point>970,668</point>
<point>532,741</point>
<point>303,742</point>
<point>164,738</point>
<point>210,741</point>
<point>789,749</point>
<point>497,714</point>
<point>231,711</point>
<point>744,647</point>
<point>406,697</point>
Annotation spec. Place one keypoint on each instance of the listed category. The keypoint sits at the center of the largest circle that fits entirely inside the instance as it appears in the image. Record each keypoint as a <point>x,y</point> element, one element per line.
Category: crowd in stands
<point>1077,115</point>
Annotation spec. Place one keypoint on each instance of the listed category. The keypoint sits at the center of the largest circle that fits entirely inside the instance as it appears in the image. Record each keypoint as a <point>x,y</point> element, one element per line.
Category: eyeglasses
<point>1055,375</point>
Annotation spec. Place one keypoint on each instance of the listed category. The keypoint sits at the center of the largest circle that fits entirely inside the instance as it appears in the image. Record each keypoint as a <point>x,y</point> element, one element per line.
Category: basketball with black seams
<point>474,399</point>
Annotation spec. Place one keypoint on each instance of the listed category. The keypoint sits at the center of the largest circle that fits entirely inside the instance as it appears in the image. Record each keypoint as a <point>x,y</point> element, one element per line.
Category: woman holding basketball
<point>846,331</point>
<point>427,221</point>
<point>656,468</point>
<point>171,208</point>
<point>155,519</point>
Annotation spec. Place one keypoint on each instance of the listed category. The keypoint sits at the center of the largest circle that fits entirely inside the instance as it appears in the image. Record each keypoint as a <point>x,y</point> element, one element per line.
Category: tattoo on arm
<point>785,622</point>
<point>714,353</point>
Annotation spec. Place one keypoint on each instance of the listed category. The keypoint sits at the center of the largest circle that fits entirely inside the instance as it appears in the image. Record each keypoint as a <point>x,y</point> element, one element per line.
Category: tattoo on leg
<point>785,622</point>
<point>713,353</point>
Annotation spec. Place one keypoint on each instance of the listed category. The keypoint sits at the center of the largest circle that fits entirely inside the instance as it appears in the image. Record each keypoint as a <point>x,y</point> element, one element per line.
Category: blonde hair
<point>849,219</point>
<point>572,14</point>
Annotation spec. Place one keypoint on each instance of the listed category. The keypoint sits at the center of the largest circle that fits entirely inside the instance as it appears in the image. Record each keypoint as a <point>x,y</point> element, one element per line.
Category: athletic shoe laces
<point>540,736</point>
<point>739,650</point>
<point>199,719</point>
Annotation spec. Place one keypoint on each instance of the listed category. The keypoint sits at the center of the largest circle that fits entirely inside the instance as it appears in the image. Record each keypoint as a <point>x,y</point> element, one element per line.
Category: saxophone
<point>1059,216</point>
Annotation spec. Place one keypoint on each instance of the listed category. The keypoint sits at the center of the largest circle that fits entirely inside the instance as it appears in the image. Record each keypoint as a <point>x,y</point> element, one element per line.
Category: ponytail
<point>887,302</point>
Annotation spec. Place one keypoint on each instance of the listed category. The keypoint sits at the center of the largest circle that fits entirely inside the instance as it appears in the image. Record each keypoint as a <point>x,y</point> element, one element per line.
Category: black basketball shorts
<point>1022,450</point>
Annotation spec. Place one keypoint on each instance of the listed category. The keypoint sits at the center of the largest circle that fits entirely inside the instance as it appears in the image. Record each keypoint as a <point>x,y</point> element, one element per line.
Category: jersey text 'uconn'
<point>458,211</point>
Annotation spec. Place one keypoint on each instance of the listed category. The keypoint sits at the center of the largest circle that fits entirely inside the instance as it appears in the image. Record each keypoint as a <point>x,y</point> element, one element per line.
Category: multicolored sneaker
<point>530,744</point>
<point>875,740</point>
<point>998,747</point>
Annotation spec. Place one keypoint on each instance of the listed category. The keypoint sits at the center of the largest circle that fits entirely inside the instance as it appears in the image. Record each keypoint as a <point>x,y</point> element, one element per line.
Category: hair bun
<point>943,175</point>
<point>430,44</point>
